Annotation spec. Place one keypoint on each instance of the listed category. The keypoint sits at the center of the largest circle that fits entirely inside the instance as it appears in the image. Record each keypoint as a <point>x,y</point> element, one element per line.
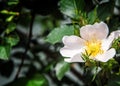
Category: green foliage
<point>116,44</point>
<point>72,8</point>
<point>37,80</point>
<point>12,40</point>
<point>114,80</point>
<point>19,82</point>
<point>61,68</point>
<point>21,19</point>
<point>9,12</point>
<point>92,16</point>
<point>56,34</point>
<point>105,10</point>
<point>5,51</point>
<point>13,2</point>
<point>11,27</point>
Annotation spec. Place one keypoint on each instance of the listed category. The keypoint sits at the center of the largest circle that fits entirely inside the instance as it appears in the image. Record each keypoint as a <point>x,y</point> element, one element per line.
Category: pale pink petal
<point>116,34</point>
<point>106,43</point>
<point>76,58</point>
<point>102,29</point>
<point>98,31</point>
<point>106,56</point>
<point>87,32</point>
<point>69,52</point>
<point>73,41</point>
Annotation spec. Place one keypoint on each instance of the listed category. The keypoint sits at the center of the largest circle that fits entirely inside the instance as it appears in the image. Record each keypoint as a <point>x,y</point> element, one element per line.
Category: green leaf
<point>72,8</point>
<point>5,52</point>
<point>114,80</point>
<point>9,19</point>
<point>92,16</point>
<point>11,27</point>
<point>105,10</point>
<point>12,40</point>
<point>57,34</point>
<point>61,68</point>
<point>13,2</point>
<point>9,12</point>
<point>37,80</point>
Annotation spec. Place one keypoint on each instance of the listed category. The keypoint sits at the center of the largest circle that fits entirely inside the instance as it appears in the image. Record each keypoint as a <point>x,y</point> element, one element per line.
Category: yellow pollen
<point>93,47</point>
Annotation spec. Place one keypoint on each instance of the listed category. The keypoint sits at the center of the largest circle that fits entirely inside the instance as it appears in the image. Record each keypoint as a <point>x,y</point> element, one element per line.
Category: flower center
<point>93,47</point>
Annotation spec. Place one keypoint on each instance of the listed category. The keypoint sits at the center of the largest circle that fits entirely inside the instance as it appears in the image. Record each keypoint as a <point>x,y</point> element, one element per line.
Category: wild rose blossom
<point>93,41</point>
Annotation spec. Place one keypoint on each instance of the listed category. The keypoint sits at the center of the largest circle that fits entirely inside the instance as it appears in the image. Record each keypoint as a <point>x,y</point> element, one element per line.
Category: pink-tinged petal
<point>73,41</point>
<point>98,31</point>
<point>76,58</point>
<point>102,29</point>
<point>106,43</point>
<point>69,52</point>
<point>106,56</point>
<point>87,32</point>
<point>116,34</point>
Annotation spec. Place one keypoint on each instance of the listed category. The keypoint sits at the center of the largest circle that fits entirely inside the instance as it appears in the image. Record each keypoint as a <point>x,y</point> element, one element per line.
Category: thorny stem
<point>27,45</point>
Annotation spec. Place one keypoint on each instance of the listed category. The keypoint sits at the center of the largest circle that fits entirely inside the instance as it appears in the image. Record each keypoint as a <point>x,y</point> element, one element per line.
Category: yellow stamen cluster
<point>93,47</point>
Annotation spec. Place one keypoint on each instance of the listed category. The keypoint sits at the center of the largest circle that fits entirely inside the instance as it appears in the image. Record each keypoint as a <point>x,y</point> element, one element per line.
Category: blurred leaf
<point>9,12</point>
<point>37,80</point>
<point>12,40</point>
<point>4,12</point>
<point>105,10</point>
<point>11,27</point>
<point>61,68</point>
<point>72,8</point>
<point>114,80</point>
<point>92,16</point>
<point>5,52</point>
<point>13,2</point>
<point>57,34</point>
<point>9,19</point>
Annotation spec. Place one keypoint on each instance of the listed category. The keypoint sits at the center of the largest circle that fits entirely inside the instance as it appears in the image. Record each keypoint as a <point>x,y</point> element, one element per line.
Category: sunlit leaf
<point>9,12</point>
<point>61,68</point>
<point>57,34</point>
<point>72,8</point>
<point>5,52</point>
<point>9,19</point>
<point>37,80</point>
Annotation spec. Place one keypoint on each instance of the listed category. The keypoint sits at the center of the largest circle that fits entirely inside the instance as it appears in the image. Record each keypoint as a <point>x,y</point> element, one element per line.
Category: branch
<point>27,45</point>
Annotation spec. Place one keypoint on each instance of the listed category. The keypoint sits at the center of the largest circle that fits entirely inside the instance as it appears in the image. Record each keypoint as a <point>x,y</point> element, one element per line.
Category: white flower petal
<point>76,58</point>
<point>98,31</point>
<point>73,41</point>
<point>116,34</point>
<point>106,43</point>
<point>102,29</point>
<point>69,52</point>
<point>106,56</point>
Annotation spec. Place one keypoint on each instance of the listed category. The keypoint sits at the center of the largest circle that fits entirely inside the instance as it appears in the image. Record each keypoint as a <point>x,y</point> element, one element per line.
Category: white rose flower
<point>94,41</point>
